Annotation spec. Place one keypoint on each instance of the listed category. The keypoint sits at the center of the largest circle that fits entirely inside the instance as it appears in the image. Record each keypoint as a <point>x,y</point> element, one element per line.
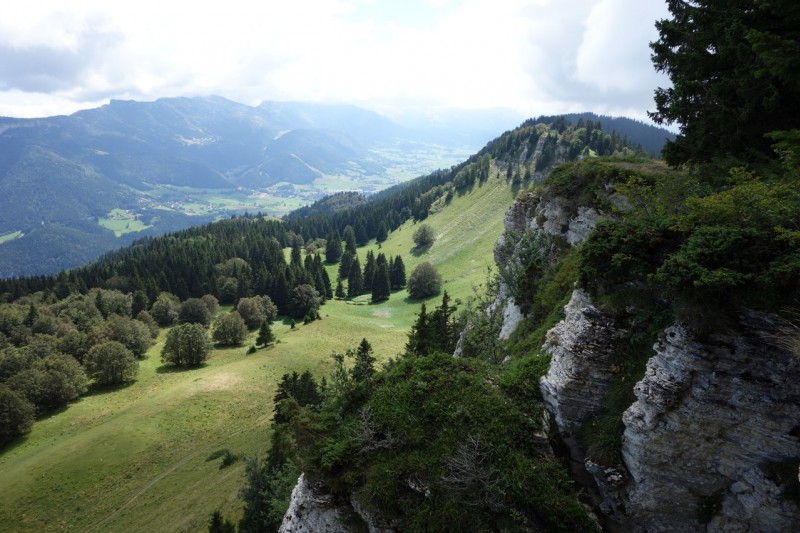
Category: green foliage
<point>16,415</point>
<point>709,253</point>
<point>424,281</point>
<point>436,444</point>
<point>304,301</point>
<point>229,329</point>
<point>437,332</point>
<point>424,236</point>
<point>265,336</point>
<point>51,382</point>
<point>256,310</point>
<point>217,524</point>
<point>194,311</point>
<point>381,284</point>
<point>733,68</point>
<point>111,363</point>
<point>165,309</point>
<point>133,334</point>
<point>186,345</point>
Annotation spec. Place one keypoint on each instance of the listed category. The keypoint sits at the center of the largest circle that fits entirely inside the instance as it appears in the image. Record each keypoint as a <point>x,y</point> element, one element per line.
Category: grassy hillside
<point>135,458</point>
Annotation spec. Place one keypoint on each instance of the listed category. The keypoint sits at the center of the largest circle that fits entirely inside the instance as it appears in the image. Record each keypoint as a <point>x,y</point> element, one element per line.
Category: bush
<point>424,281</point>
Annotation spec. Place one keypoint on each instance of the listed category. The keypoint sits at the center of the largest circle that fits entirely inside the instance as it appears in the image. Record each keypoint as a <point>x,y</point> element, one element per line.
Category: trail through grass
<point>134,458</point>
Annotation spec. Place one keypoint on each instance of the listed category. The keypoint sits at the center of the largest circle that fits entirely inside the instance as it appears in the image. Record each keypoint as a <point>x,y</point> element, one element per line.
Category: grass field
<point>121,222</point>
<point>134,459</point>
<point>10,236</point>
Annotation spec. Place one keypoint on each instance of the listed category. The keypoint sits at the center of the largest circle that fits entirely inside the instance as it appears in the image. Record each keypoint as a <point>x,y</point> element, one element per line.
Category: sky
<point>397,57</point>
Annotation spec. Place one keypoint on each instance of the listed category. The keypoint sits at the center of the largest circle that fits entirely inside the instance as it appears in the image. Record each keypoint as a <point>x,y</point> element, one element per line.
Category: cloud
<point>534,56</point>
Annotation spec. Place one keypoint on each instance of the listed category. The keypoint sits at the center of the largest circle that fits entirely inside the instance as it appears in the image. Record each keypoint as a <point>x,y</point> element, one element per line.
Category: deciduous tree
<point>186,345</point>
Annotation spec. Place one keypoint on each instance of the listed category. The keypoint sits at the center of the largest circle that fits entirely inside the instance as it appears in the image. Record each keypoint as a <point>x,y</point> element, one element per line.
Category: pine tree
<point>369,271</point>
<point>364,367</point>
<point>265,335</point>
<point>381,286</point>
<point>383,232</point>
<point>398,274</point>
<point>355,281</point>
<point>349,237</point>
<point>339,289</point>
<point>333,248</point>
<point>344,264</point>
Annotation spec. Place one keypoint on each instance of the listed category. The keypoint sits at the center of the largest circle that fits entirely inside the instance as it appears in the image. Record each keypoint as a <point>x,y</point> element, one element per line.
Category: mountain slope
<point>168,162</point>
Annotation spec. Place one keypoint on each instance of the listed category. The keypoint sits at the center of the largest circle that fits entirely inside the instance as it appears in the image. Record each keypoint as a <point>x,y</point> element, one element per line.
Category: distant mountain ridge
<point>73,187</point>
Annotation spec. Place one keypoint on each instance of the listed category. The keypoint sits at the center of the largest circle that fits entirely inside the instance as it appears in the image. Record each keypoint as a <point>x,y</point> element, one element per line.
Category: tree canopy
<point>735,72</point>
<point>424,281</point>
<point>186,345</point>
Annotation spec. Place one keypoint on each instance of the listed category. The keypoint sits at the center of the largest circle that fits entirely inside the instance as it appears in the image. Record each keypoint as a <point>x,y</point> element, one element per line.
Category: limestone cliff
<point>712,442</point>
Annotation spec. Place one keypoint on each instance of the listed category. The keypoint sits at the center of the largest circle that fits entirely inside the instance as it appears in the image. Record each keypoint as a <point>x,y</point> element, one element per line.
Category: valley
<point>135,457</point>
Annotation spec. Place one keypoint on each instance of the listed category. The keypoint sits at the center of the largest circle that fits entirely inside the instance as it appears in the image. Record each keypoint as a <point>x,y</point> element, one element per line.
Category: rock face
<point>712,442</point>
<point>581,352</point>
<point>713,426</point>
<point>543,216</point>
<point>311,510</point>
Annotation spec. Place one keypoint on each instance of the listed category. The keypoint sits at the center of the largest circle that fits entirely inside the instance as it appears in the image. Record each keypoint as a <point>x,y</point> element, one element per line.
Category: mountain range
<point>73,187</point>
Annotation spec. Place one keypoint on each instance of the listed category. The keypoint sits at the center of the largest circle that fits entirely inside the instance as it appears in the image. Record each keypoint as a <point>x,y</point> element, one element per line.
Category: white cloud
<point>535,56</point>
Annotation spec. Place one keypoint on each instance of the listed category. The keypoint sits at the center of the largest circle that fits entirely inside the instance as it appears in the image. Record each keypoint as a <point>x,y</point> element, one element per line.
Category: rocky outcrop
<point>713,426</point>
<point>312,510</point>
<point>550,218</point>
<point>712,442</point>
<point>581,352</point>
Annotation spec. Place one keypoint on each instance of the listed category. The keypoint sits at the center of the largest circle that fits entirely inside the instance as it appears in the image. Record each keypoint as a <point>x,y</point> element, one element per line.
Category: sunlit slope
<point>134,459</point>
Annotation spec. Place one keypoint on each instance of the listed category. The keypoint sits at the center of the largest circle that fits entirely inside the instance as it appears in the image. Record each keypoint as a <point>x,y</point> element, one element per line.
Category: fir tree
<point>369,271</point>
<point>333,248</point>
<point>349,237</point>
<point>355,281</point>
<point>339,289</point>
<point>398,274</point>
<point>265,335</point>
<point>381,286</point>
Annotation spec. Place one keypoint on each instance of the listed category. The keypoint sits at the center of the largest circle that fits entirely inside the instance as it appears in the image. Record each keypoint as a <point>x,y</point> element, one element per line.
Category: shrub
<point>424,281</point>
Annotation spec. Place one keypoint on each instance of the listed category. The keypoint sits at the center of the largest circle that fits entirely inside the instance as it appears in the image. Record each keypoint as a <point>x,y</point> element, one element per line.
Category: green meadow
<point>121,222</point>
<point>135,458</point>
<point>10,236</point>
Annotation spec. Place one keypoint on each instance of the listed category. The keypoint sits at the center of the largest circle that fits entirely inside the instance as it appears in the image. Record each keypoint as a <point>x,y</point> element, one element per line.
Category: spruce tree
<point>333,248</point>
<point>383,232</point>
<point>369,271</point>
<point>349,237</point>
<point>355,281</point>
<point>381,287</point>
<point>398,273</point>
<point>265,335</point>
<point>339,289</point>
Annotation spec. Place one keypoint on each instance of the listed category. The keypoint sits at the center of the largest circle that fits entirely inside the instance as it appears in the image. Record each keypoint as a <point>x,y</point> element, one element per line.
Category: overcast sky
<point>394,56</point>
